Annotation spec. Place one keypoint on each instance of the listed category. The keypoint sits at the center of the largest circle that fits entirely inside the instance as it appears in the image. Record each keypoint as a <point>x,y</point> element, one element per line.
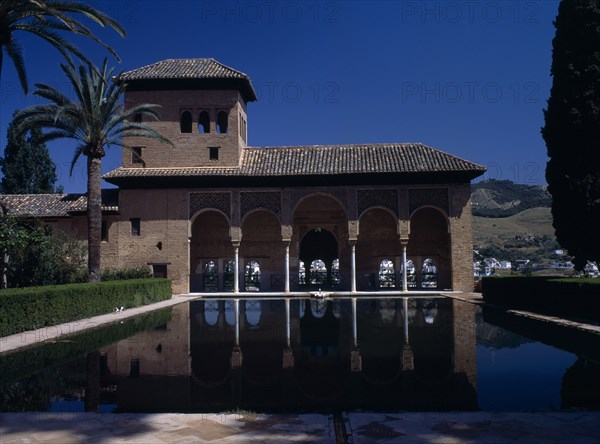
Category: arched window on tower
<point>185,124</point>
<point>204,123</point>
<point>222,122</point>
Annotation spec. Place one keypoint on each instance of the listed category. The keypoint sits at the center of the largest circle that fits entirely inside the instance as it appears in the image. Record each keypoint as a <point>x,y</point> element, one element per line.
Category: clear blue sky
<point>468,77</point>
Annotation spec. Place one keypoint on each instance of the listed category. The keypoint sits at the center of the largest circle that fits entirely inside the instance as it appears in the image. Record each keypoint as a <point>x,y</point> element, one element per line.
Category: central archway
<point>318,251</point>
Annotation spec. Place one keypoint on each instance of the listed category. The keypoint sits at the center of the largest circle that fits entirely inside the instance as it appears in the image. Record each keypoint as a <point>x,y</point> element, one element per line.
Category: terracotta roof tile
<point>184,69</point>
<point>190,69</point>
<point>318,160</point>
<point>55,205</point>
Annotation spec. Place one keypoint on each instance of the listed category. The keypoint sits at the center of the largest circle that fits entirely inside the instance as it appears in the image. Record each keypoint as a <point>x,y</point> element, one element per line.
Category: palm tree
<point>43,18</point>
<point>95,120</point>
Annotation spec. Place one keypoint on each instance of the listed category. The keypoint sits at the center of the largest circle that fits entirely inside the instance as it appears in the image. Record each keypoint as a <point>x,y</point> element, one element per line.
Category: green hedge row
<point>574,297</point>
<point>24,309</point>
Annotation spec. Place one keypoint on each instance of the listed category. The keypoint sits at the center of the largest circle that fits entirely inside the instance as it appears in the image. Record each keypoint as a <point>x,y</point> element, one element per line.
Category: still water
<point>303,355</point>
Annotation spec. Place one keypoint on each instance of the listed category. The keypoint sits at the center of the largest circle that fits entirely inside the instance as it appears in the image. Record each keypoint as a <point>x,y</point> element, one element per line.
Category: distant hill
<point>503,198</point>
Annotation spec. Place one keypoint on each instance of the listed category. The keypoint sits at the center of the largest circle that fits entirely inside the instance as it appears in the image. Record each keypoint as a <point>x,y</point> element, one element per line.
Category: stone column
<point>236,240</point>
<point>352,239</point>
<point>404,273</point>
<point>287,268</point>
<point>236,273</point>
<point>353,265</point>
<point>286,237</point>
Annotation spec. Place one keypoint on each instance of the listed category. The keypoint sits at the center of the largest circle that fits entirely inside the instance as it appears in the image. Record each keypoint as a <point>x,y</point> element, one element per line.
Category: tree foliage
<point>26,166</point>
<point>46,19</point>
<point>572,129</point>
<point>36,255</point>
<point>96,119</point>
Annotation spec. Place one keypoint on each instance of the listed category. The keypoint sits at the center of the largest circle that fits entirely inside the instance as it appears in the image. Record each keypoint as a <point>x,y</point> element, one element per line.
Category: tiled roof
<point>192,69</point>
<point>55,205</point>
<point>319,160</point>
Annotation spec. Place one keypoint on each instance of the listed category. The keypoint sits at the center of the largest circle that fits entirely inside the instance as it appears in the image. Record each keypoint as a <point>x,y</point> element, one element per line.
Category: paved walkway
<point>361,428</point>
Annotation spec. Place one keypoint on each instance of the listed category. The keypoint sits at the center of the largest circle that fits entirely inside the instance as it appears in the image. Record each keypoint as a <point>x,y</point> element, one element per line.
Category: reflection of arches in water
<point>387,311</point>
<point>429,273</point>
<point>211,312</point>
<point>337,308</point>
<point>253,312</point>
<point>318,307</point>
<point>230,312</point>
<point>387,274</point>
<point>430,311</point>
<point>252,276</point>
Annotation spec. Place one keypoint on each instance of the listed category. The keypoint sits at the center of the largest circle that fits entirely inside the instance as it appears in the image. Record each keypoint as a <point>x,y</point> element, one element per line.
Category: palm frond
<point>14,51</point>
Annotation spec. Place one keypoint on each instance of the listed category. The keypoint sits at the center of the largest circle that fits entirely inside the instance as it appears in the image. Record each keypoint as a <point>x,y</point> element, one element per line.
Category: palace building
<point>215,215</point>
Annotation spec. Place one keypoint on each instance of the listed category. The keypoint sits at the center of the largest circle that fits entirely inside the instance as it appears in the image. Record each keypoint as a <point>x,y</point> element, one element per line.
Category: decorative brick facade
<point>210,202</point>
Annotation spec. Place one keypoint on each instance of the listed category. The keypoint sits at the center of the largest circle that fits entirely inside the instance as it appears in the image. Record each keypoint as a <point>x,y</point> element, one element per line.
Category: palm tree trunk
<point>94,217</point>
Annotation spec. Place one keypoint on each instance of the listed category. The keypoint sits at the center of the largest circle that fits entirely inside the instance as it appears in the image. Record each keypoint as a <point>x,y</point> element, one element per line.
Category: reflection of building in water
<point>414,354</point>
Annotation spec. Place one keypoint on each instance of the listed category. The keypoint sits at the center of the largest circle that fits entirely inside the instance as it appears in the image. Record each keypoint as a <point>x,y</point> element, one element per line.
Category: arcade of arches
<point>291,240</point>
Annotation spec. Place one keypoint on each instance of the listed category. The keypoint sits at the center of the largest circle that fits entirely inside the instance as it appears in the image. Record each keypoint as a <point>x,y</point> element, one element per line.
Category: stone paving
<point>362,428</point>
<point>128,428</point>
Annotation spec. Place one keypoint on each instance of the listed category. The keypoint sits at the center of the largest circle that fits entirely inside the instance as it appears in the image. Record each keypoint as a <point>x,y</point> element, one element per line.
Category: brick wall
<point>190,149</point>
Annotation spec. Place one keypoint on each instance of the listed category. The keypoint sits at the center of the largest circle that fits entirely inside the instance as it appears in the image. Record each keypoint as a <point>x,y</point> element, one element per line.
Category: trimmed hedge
<point>24,309</point>
<point>574,297</point>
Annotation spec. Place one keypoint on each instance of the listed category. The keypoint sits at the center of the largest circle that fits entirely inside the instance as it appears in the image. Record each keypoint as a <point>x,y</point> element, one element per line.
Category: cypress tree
<point>26,167</point>
<point>572,130</point>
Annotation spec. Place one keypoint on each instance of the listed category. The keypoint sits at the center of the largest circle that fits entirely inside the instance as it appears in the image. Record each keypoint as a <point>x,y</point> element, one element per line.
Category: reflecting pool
<point>385,354</point>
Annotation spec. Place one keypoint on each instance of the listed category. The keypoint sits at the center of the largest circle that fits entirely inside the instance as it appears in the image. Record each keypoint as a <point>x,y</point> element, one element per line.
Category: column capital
<point>353,229</point>
<point>286,233</point>
<point>236,235</point>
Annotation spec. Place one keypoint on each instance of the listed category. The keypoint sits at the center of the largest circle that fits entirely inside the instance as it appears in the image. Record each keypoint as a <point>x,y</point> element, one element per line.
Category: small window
<point>186,122</point>
<point>159,270</point>
<point>204,123</point>
<point>137,118</point>
<point>135,226</point>
<point>136,154</point>
<point>104,232</point>
<point>213,153</point>
<point>222,122</point>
